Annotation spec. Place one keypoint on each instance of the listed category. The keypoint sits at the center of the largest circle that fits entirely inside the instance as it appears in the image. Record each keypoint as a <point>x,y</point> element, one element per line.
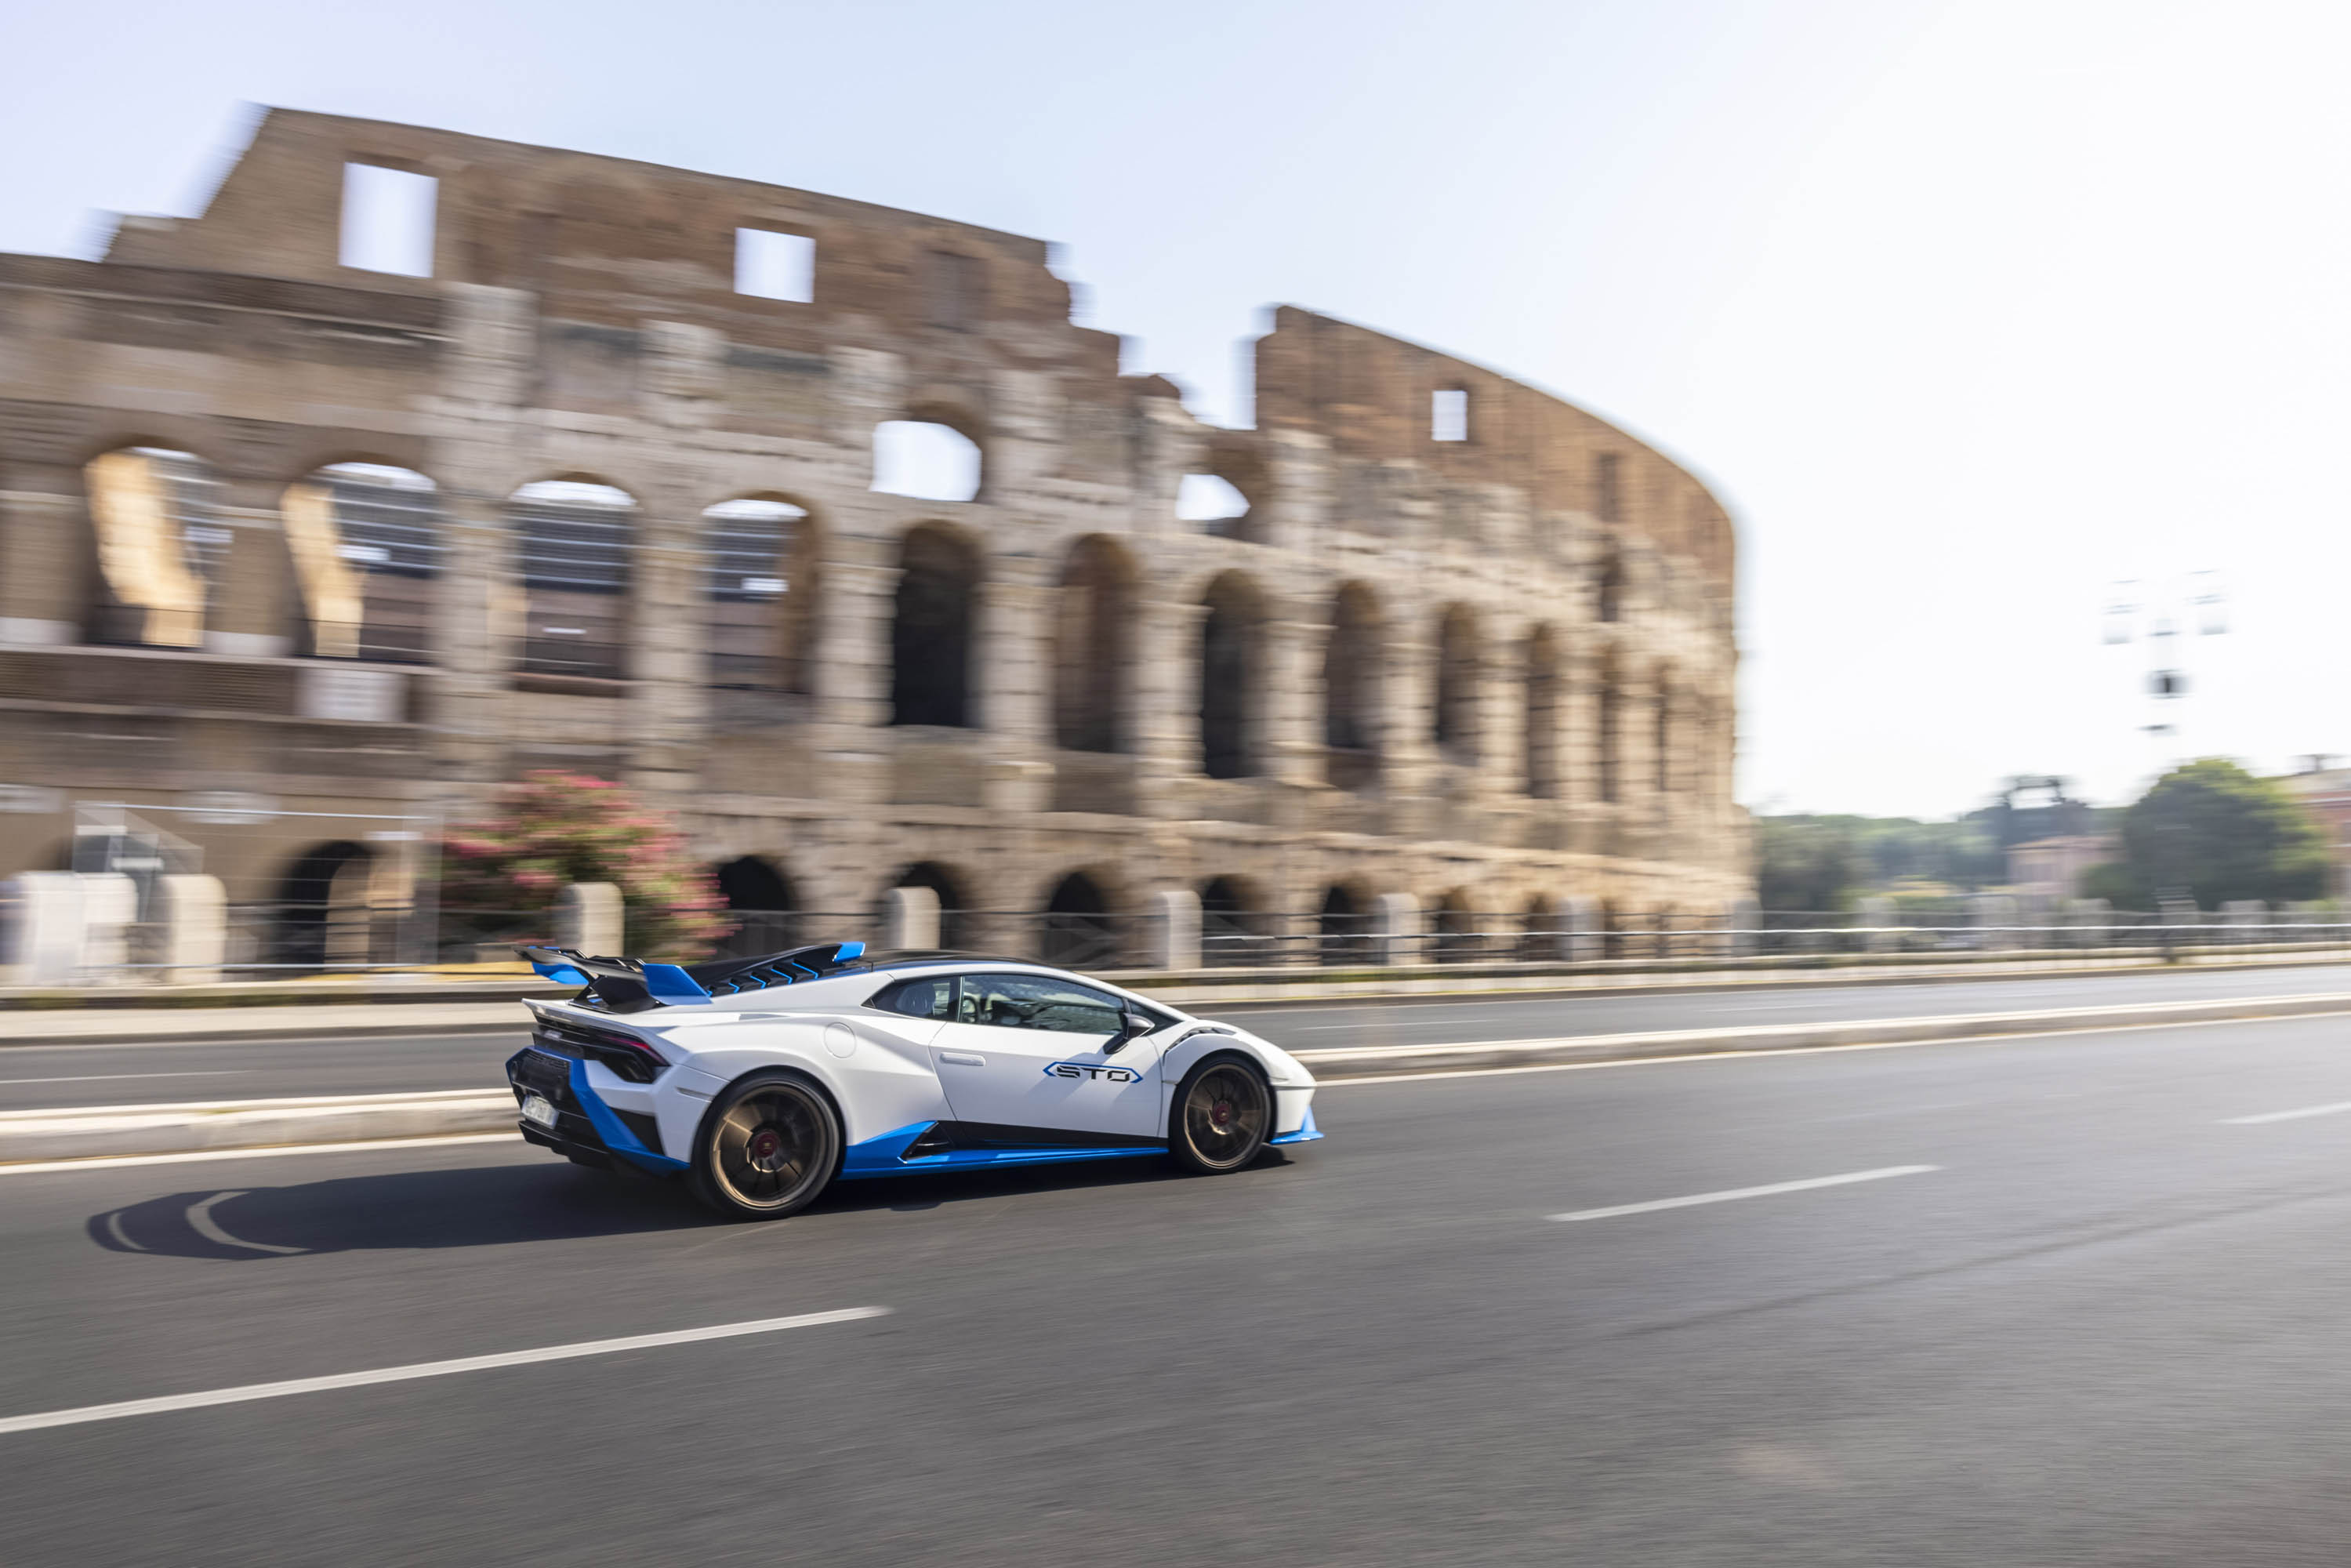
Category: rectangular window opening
<point>1448,414</point>
<point>388,220</point>
<point>773,266</point>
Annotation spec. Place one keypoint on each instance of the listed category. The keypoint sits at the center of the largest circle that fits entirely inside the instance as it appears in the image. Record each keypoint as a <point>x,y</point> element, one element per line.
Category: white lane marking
<point>1800,1050</point>
<point>2334,1109</point>
<point>1738,1192</point>
<point>200,1217</point>
<point>421,1369</point>
<point>109,1162</point>
<point>104,1077</point>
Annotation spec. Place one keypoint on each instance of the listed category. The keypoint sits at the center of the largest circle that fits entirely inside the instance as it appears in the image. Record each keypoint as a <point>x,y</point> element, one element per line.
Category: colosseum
<point>824,525</point>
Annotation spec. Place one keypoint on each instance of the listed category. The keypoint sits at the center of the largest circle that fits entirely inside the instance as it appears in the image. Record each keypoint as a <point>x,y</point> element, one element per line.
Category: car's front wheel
<point>1222,1116</point>
<point>767,1148</point>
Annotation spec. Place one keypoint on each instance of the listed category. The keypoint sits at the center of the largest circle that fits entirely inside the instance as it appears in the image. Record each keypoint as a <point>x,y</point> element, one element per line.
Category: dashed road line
<point>1772,1190</point>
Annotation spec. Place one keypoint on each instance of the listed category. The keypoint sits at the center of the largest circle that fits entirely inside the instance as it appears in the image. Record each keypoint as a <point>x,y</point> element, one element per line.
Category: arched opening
<point>1093,651</point>
<point>323,915</point>
<point>1078,931</point>
<point>365,538</point>
<point>159,545</point>
<point>760,900</point>
<point>1540,937</point>
<point>763,560</point>
<point>925,459</point>
<point>1352,661</point>
<point>1611,586</point>
<point>1456,726</point>
<point>1233,924</point>
<point>1344,924</point>
<point>930,629</point>
<point>954,919</point>
<point>577,540</point>
<point>1214,503</point>
<point>1609,722</point>
<point>1457,938</point>
<point>1542,714</point>
<point>1232,664</point>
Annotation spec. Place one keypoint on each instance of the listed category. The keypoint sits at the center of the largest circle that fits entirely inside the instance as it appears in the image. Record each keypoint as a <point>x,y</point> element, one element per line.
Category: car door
<point>1037,1052</point>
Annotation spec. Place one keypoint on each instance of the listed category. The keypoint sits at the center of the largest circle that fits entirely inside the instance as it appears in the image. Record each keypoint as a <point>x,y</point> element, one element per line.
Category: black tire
<point>766,1147</point>
<point>1222,1115</point>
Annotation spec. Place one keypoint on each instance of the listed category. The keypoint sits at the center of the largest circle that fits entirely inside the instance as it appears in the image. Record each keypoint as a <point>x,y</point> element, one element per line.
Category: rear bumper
<point>586,1129</point>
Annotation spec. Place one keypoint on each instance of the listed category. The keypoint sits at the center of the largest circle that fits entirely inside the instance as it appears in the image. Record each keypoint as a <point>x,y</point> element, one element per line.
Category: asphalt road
<point>42,1076</point>
<point>2105,1328</point>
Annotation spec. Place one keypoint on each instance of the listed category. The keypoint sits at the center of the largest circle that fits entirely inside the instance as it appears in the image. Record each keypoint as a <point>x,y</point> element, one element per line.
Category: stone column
<point>251,605</point>
<point>1176,929</point>
<point>44,552</point>
<point>1396,927</point>
<point>668,659</point>
<point>589,919</point>
<point>1166,704</point>
<point>910,920</point>
<point>193,911</point>
<point>1293,737</point>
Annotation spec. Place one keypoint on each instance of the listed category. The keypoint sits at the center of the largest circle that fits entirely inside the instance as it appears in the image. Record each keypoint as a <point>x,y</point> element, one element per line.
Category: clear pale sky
<point>1966,309</point>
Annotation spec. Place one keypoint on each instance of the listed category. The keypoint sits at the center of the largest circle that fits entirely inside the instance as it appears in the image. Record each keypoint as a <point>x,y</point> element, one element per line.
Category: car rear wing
<point>631,985</point>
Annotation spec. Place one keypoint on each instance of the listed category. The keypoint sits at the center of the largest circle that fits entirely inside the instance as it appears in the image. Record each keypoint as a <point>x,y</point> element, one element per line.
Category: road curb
<point>1337,1064</point>
<point>103,1130</point>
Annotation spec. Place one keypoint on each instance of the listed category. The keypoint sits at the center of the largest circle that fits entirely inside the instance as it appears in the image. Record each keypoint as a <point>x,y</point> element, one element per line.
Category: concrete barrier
<point>103,1130</point>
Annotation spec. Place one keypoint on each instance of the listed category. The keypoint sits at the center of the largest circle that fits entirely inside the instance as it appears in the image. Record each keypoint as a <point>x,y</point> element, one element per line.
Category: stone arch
<point>1232,677</point>
<point>1093,648</point>
<point>932,661</point>
<point>1453,927</point>
<point>937,451</point>
<point>1234,921</point>
<point>1542,694</point>
<point>1344,922</point>
<point>575,541</point>
<point>1539,934</point>
<point>1233,458</point>
<point>1454,722</point>
<point>1353,663</point>
<point>956,921</point>
<point>366,542</point>
<point>764,904</point>
<point>764,586</point>
<point>323,915</point>
<point>157,547</point>
<point>1078,930</point>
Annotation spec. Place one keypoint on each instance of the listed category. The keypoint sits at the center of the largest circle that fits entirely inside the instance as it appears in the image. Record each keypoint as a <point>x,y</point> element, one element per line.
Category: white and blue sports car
<point>763,1080</point>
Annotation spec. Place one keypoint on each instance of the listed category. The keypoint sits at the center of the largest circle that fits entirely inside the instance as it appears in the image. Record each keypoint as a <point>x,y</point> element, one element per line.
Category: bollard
<point>48,928</point>
<point>1875,914</point>
<point>110,908</point>
<point>1396,929</point>
<point>1176,929</point>
<point>191,915</point>
<point>911,921</point>
<point>589,919</point>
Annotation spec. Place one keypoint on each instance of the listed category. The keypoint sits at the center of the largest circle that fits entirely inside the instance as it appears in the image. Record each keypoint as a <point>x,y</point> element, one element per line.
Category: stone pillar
<point>252,594</point>
<point>1168,694</point>
<point>110,908</point>
<point>1746,927</point>
<point>1397,928</point>
<point>1872,916</point>
<point>910,921</point>
<point>1987,912</point>
<point>668,659</point>
<point>1012,643</point>
<point>43,519</point>
<point>1293,719</point>
<point>48,928</point>
<point>590,920</point>
<point>192,913</point>
<point>1176,929</point>
<point>1579,918</point>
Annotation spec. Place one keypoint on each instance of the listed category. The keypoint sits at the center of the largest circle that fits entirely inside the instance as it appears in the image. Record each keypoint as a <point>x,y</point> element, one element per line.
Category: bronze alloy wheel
<point>1222,1116</point>
<point>767,1148</point>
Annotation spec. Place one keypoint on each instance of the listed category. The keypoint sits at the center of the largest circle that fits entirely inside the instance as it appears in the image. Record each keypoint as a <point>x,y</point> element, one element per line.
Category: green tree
<point>2214,831</point>
<point>555,827</point>
<point>1804,863</point>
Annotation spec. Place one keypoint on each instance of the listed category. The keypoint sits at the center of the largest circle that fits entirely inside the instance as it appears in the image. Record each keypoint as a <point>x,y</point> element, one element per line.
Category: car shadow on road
<point>502,1205</point>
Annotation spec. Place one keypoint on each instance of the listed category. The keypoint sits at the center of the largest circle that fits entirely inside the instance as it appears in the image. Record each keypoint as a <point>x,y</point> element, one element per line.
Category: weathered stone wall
<point>581,324</point>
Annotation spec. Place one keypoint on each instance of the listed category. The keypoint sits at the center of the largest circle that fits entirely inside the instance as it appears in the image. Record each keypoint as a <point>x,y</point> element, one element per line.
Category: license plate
<point>539,1109</point>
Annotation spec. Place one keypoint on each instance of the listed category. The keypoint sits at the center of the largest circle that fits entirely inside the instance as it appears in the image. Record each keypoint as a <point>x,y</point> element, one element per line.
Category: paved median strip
<point>1733,1193</point>
<point>252,1391</point>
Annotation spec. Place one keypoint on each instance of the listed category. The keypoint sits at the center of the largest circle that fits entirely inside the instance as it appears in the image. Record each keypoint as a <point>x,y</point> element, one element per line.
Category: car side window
<point>1038,1002</point>
<point>932,997</point>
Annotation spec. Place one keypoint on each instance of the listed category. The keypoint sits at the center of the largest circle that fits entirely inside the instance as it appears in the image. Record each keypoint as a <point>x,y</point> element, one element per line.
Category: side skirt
<point>972,1146</point>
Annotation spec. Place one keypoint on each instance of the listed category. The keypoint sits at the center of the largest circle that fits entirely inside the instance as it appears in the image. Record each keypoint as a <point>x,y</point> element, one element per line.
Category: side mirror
<point>1134,1026</point>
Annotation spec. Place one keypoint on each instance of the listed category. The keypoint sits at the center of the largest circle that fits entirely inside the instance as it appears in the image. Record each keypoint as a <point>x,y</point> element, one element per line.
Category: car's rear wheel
<point>767,1148</point>
<point>1222,1116</point>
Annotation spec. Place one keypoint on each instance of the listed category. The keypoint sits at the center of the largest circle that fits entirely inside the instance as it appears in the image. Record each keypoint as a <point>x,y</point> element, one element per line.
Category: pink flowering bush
<point>554,829</point>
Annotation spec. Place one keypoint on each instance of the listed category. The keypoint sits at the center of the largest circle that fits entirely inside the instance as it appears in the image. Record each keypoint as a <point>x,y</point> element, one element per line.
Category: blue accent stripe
<point>611,1129</point>
<point>883,1154</point>
<point>562,974</point>
<point>1307,1133</point>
